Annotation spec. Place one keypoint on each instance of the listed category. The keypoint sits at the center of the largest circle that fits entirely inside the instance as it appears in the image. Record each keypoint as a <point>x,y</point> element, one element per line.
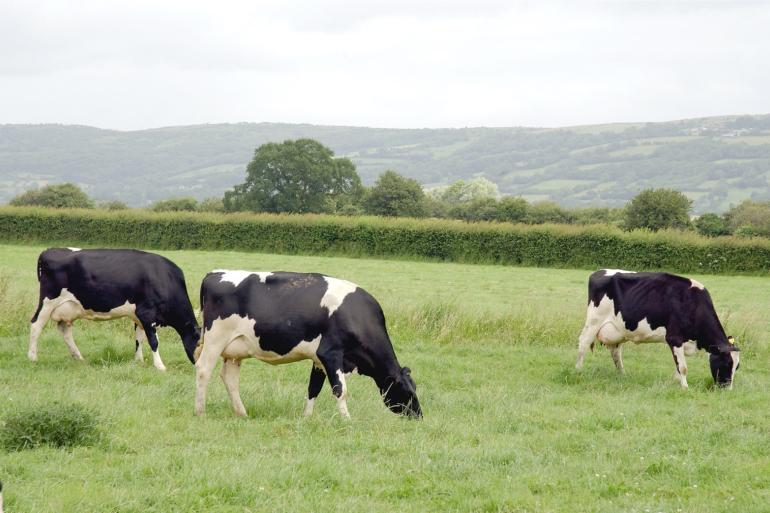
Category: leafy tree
<point>395,195</point>
<point>712,225</point>
<point>656,209</point>
<point>211,205</point>
<point>462,191</point>
<point>176,205</point>
<point>749,218</point>
<point>479,209</point>
<point>434,207</point>
<point>513,210</point>
<point>64,195</point>
<point>547,212</point>
<point>295,176</point>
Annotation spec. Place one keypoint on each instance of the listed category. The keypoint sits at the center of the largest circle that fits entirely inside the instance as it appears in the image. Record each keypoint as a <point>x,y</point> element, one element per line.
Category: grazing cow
<point>657,307</point>
<point>103,284</point>
<point>281,317</point>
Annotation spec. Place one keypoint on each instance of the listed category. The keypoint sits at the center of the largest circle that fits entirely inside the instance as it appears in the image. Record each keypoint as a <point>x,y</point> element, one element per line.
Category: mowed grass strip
<point>509,425</point>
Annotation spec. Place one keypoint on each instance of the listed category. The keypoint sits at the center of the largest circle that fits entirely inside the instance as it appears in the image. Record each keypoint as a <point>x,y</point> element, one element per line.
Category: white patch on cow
<point>309,407</point>
<point>263,275</point>
<point>241,342</point>
<point>696,284</point>
<point>342,404</point>
<point>736,360</point>
<point>681,365</point>
<point>66,307</point>
<point>236,277</point>
<point>612,327</point>
<point>75,249</point>
<point>140,337</point>
<point>611,272</point>
<point>156,361</point>
<point>690,348</point>
<point>335,293</point>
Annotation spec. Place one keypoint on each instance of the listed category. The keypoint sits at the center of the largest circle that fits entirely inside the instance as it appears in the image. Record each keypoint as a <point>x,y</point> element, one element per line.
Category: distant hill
<point>716,161</point>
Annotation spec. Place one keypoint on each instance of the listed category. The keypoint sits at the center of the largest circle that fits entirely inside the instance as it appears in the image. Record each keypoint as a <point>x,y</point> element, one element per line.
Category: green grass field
<point>509,424</point>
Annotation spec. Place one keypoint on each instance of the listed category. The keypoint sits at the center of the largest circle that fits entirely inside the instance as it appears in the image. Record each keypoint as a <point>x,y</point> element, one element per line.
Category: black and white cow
<point>281,317</point>
<point>103,284</point>
<point>657,307</point>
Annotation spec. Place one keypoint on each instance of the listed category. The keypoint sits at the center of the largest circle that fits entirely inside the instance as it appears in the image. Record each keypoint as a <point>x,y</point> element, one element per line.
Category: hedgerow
<point>435,239</point>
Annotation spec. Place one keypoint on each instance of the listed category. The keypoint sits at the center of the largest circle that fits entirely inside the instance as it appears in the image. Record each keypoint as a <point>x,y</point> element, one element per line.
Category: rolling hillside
<point>716,161</point>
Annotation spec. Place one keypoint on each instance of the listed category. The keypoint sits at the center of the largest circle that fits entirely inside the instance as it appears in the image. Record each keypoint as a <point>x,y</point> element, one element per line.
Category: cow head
<point>400,394</point>
<point>724,363</point>
<point>190,340</point>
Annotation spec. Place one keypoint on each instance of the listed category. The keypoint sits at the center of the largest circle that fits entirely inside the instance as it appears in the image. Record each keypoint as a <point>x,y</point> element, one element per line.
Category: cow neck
<point>712,334</point>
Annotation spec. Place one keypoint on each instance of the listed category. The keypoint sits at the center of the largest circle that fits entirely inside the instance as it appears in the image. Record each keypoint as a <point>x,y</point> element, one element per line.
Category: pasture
<point>509,424</point>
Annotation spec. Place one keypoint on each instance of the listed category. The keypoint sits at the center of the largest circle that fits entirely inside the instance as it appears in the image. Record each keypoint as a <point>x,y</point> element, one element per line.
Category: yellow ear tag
<point>731,340</point>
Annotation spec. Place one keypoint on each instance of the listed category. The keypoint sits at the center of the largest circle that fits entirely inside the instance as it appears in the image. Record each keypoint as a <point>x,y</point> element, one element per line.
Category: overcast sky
<point>391,63</point>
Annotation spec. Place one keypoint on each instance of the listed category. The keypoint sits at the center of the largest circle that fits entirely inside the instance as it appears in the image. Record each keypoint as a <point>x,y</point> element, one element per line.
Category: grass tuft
<point>56,425</point>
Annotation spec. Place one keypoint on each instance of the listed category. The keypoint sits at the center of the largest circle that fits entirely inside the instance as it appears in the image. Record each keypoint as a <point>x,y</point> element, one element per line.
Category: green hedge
<point>543,245</point>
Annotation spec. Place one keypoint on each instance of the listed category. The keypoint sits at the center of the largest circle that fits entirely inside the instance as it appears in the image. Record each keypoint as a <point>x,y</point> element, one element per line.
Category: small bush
<point>176,205</point>
<point>57,425</point>
<point>113,205</point>
<point>62,195</point>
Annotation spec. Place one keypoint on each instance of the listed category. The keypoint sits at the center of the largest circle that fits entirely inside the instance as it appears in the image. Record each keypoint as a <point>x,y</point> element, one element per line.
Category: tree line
<point>303,176</point>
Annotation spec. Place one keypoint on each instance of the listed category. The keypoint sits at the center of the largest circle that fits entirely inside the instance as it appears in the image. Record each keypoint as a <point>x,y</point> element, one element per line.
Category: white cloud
<point>377,63</point>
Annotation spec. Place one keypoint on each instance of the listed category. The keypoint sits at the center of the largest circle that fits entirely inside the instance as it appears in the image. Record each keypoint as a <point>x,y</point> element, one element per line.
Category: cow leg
<point>616,357</point>
<point>139,336</point>
<point>36,327</point>
<point>317,377</point>
<point>152,339</point>
<point>333,365</point>
<point>231,373</point>
<point>214,342</point>
<point>65,328</point>
<point>681,365</point>
<point>585,342</point>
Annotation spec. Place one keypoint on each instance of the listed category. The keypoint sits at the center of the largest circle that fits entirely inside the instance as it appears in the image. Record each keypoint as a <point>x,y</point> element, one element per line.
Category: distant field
<point>509,425</point>
<point>613,162</point>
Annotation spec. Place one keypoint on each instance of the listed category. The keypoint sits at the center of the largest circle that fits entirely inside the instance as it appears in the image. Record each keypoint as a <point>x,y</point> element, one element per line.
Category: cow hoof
<point>161,368</point>
<point>241,414</point>
<point>32,357</point>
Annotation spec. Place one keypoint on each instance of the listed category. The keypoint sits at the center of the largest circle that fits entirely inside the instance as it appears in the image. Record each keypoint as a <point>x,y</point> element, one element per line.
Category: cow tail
<point>40,265</point>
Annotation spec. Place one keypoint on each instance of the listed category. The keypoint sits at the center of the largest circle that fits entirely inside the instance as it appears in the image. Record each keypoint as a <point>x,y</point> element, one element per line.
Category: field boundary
<point>564,246</point>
